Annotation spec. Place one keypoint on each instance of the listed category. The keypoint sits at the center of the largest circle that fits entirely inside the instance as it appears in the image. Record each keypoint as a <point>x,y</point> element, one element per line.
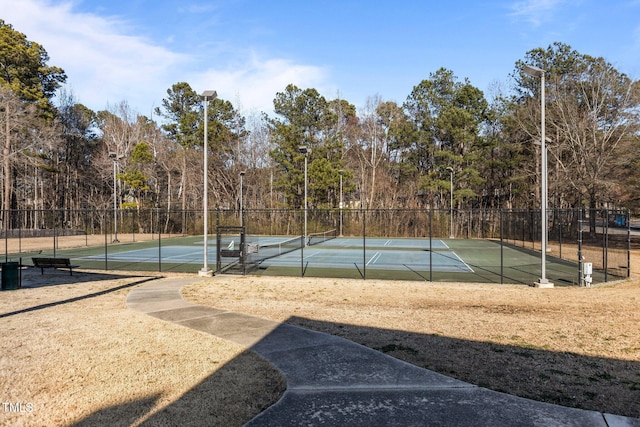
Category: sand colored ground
<point>72,353</point>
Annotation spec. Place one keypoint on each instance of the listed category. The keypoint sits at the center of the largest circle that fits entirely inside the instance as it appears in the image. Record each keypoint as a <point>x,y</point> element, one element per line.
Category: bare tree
<point>592,116</point>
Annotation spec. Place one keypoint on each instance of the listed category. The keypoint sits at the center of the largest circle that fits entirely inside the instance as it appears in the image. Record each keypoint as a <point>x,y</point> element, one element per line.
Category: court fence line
<point>602,237</point>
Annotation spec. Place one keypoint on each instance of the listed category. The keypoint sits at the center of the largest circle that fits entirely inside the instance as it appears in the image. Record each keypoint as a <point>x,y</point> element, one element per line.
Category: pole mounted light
<point>207,95</point>
<point>539,72</point>
<point>304,150</point>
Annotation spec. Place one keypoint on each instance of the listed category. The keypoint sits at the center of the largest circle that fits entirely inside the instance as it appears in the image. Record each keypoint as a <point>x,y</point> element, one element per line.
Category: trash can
<point>10,276</point>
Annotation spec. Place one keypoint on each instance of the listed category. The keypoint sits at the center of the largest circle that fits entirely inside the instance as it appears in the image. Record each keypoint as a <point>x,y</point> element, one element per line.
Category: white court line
<point>462,261</point>
<point>374,258</point>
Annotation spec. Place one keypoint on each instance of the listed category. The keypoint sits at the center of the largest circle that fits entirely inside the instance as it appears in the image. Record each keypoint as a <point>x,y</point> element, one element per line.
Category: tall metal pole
<point>205,271</point>
<point>545,188</point>
<point>306,205</point>
<point>543,282</point>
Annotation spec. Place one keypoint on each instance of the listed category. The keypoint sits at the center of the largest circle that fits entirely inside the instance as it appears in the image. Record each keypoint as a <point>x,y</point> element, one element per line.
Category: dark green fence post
<point>628,243</point>
<point>580,278</point>
<point>106,254</point>
<point>364,244</point>
<point>501,251</point>
<point>159,227</point>
<point>431,244</point>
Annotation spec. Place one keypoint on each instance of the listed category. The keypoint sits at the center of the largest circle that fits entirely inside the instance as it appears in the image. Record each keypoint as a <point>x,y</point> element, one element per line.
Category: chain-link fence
<point>160,240</point>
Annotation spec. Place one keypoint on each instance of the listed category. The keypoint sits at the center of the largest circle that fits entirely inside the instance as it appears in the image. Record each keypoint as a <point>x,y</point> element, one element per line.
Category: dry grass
<point>73,353</point>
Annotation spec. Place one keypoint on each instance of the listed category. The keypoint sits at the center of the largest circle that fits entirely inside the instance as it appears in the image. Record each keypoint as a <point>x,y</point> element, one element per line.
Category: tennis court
<point>489,246</point>
<point>380,254</point>
<point>426,259</point>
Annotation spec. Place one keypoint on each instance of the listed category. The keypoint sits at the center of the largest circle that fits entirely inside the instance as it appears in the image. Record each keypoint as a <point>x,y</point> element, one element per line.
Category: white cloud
<point>106,62</point>
<point>104,65</point>
<point>535,11</point>
<point>255,83</point>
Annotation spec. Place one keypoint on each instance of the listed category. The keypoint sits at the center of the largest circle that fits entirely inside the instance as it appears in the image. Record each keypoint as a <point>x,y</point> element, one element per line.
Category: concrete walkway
<point>333,381</point>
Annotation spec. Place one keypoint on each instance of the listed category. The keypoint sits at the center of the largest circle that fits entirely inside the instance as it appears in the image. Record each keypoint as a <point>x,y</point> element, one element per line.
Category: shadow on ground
<point>33,279</point>
<point>233,395</point>
<point>605,385</point>
<point>568,379</point>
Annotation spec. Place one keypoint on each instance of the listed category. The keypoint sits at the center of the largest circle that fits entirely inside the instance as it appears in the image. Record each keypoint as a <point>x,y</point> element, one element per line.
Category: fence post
<point>6,236</point>
<point>364,244</point>
<point>501,252</point>
<point>54,234</point>
<point>628,243</point>
<point>559,222</point>
<point>580,277</point>
<point>20,235</point>
<point>605,249</point>
<point>104,227</point>
<point>430,244</point>
<point>159,227</point>
<point>303,239</point>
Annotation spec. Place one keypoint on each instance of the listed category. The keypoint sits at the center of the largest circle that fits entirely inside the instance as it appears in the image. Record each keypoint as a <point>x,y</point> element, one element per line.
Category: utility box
<point>10,276</point>
<point>587,271</point>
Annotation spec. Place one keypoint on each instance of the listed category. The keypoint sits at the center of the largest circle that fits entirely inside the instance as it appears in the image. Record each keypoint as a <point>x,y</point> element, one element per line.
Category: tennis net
<point>256,253</point>
<point>323,236</point>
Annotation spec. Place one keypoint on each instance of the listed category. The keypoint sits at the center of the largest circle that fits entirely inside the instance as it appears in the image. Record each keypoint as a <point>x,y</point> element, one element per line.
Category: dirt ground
<point>73,354</point>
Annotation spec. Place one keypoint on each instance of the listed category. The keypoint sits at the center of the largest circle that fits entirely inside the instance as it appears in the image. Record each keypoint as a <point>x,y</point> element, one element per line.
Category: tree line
<point>60,155</point>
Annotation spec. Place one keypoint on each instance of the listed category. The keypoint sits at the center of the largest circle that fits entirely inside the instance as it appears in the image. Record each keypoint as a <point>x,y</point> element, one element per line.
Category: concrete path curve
<point>334,381</point>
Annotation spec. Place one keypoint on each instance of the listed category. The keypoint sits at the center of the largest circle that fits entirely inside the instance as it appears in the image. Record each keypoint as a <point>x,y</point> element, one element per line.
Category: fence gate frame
<point>239,253</point>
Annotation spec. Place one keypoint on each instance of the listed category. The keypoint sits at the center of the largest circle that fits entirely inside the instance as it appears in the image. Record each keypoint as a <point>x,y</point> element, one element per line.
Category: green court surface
<point>450,260</point>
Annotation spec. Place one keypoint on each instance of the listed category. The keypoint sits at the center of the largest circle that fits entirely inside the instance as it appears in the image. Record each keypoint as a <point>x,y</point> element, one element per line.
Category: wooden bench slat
<point>43,263</point>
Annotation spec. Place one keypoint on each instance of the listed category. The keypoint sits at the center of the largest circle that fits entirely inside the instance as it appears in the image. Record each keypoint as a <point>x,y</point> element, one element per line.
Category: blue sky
<point>248,50</point>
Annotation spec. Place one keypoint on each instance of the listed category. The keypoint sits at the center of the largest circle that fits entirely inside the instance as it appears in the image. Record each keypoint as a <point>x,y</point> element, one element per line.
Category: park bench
<point>43,263</point>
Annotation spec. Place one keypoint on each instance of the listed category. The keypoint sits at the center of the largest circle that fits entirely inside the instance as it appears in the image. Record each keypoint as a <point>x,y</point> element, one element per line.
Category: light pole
<point>207,95</point>
<point>304,150</point>
<point>450,169</point>
<point>341,172</point>
<point>115,158</point>
<point>241,205</point>
<point>539,72</point>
